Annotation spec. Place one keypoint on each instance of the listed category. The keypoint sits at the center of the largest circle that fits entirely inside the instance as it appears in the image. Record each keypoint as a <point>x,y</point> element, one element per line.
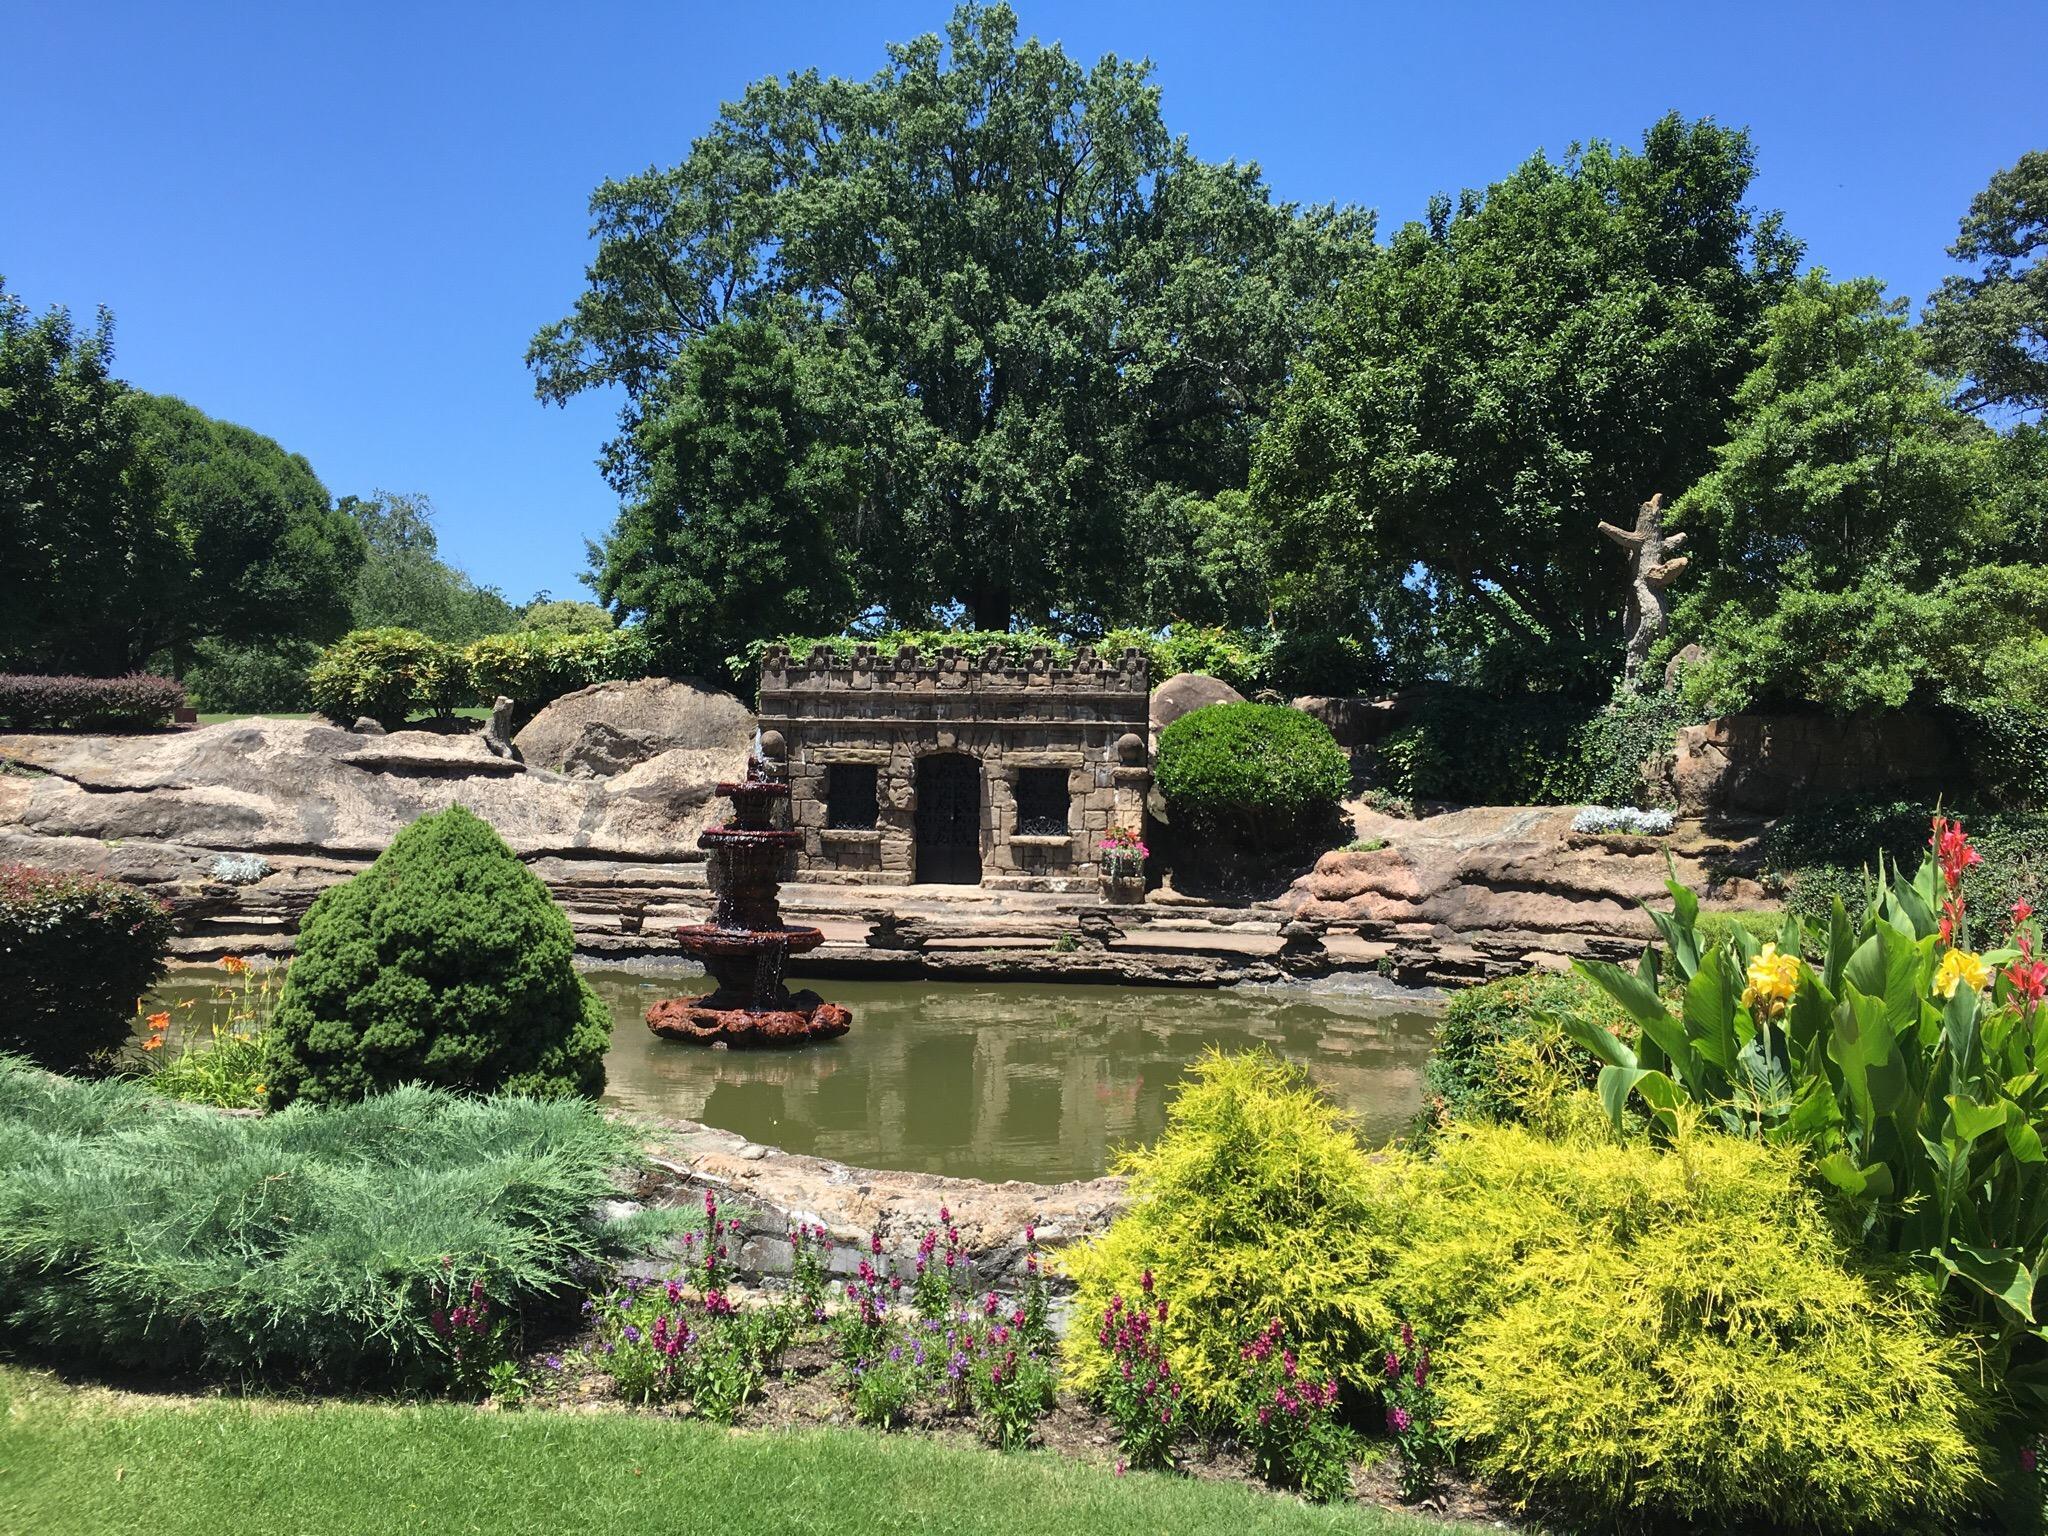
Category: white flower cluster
<point>1622,818</point>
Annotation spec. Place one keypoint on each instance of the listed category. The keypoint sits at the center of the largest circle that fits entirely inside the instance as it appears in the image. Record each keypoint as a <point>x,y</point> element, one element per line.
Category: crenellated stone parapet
<point>997,669</point>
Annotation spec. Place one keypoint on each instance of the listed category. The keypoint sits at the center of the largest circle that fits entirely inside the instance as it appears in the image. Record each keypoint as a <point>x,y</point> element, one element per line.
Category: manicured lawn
<point>87,1462</point>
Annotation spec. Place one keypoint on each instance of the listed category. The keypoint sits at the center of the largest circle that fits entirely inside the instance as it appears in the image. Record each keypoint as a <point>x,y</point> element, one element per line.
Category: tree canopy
<point>1849,490</point>
<point>270,556</point>
<point>405,584</point>
<point>1529,360</point>
<point>133,524</point>
<point>1993,325</point>
<point>1010,322</point>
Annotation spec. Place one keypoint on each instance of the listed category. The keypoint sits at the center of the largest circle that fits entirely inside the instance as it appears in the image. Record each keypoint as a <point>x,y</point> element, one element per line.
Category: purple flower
<point>554,1362</point>
<point>632,1334</point>
<point>1398,1420</point>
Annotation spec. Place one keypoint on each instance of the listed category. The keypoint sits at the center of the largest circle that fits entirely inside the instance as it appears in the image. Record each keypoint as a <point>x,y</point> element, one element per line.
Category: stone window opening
<point>850,800</point>
<point>1043,802</point>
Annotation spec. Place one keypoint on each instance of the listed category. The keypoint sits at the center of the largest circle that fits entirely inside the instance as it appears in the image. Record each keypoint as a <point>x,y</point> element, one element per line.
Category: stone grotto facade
<point>957,768</point>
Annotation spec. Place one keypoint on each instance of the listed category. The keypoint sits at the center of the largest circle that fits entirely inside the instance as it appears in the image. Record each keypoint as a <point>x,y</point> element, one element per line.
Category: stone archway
<point>948,819</point>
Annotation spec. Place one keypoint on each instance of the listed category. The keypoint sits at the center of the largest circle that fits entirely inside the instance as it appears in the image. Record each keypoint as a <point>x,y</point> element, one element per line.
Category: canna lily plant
<point>1913,1069</point>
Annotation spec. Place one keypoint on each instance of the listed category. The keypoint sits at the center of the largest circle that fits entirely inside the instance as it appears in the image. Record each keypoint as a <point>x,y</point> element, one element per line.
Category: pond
<point>997,1080</point>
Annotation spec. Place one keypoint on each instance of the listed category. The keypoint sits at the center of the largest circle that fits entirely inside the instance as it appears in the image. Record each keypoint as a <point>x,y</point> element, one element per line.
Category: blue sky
<point>340,225</point>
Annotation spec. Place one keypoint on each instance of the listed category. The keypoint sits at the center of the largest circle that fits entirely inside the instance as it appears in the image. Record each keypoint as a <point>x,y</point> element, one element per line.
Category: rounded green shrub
<point>76,951</point>
<point>1261,770</point>
<point>1646,1337</point>
<point>537,666</point>
<point>1501,1053</point>
<point>446,962</point>
<point>385,674</point>
<point>568,616</point>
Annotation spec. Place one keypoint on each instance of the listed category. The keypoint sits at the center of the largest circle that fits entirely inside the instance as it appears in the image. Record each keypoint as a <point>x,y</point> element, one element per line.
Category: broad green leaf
<point>2021,1139</point>
<point>1617,1083</point>
<point>1710,1011</point>
<point>1971,1119</point>
<point>1841,944</point>
<point>1873,1182</point>
<point>1647,1010</point>
<point>1998,1272</point>
<point>1597,1039</point>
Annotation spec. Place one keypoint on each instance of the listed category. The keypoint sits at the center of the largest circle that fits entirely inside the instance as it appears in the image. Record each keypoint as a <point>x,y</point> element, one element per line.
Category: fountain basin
<point>804,1018</point>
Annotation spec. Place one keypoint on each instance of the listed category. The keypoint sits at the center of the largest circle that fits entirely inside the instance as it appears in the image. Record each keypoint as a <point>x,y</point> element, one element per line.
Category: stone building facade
<point>957,768</point>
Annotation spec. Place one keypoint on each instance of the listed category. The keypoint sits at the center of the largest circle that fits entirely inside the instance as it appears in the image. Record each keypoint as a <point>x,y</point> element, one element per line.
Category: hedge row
<point>391,674</point>
<point>47,703</point>
<point>76,951</point>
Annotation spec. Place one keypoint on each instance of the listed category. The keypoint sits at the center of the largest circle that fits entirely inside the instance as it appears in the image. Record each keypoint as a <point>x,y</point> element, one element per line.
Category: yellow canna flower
<point>1960,968</point>
<point>1773,978</point>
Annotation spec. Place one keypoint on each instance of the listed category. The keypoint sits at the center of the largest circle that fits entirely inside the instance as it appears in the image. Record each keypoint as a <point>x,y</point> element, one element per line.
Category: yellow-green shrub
<point>1631,1332</point>
<point>1257,1203</point>
<point>1627,1333</point>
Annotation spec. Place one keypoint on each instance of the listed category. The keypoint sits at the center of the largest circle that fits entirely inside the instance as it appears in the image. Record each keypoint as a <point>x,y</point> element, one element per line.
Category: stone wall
<point>892,713</point>
<point>1765,765</point>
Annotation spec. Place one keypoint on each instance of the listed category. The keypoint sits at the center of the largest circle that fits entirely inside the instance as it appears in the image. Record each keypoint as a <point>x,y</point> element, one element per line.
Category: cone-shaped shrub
<point>445,962</point>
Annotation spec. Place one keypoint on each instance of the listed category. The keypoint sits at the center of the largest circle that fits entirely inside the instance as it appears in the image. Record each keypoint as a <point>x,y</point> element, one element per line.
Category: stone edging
<point>768,1190</point>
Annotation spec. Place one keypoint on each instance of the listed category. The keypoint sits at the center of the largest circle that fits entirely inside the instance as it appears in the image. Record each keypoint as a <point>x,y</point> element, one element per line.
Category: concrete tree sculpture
<point>1652,567</point>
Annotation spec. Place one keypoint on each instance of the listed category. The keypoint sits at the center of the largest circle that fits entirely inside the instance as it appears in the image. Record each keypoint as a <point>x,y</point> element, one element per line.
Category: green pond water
<point>995,1080</point>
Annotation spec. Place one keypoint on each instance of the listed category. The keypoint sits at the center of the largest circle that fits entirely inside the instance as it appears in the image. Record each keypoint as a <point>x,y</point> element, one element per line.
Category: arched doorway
<point>949,819</point>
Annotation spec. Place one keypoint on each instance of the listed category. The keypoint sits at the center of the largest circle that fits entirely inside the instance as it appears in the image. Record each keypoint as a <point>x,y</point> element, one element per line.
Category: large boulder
<point>599,731</point>
<point>299,787</point>
<point>1485,891</point>
<point>1186,693</point>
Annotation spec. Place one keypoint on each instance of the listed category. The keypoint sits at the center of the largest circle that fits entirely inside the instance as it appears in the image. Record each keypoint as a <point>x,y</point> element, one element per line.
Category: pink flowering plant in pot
<point>1123,853</point>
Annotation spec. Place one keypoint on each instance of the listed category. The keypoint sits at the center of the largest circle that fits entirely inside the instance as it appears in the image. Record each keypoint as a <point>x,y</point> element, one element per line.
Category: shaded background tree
<point>1018,310</point>
<point>406,584</point>
<point>84,540</point>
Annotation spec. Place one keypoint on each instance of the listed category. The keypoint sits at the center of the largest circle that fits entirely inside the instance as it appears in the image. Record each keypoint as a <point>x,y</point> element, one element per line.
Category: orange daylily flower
<point>158,1021</point>
<point>234,965</point>
<point>153,1043</point>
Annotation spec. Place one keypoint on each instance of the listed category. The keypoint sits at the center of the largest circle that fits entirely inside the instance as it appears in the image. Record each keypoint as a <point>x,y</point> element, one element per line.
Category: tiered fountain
<point>746,944</point>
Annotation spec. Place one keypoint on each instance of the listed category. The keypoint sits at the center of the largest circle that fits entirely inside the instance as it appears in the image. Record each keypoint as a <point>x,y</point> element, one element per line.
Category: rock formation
<point>608,729</point>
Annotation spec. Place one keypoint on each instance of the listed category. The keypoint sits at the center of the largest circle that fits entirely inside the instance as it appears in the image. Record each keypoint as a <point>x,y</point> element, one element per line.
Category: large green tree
<point>85,544</point>
<point>405,584</point>
<point>134,526</point>
<point>1015,310</point>
<point>730,533</point>
<point>1850,499</point>
<point>1526,362</point>
<point>1992,324</point>
<point>271,558</point>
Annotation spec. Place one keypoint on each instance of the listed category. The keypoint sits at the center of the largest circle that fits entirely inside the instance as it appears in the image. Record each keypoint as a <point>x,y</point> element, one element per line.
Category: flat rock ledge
<point>239,826</point>
<point>769,1190</point>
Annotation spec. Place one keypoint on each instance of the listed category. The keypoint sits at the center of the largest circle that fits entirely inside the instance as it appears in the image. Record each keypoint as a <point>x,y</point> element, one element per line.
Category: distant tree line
<point>138,532</point>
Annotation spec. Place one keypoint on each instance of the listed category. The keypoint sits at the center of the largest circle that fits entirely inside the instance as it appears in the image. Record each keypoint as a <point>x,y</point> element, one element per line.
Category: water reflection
<point>1007,1080</point>
<point>982,1080</point>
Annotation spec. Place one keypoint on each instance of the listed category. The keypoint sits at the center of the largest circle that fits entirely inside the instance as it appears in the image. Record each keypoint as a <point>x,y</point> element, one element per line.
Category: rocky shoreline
<point>240,826</point>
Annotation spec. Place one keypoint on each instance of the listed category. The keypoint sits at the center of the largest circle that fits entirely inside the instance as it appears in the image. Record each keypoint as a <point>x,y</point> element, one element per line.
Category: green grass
<point>78,1463</point>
